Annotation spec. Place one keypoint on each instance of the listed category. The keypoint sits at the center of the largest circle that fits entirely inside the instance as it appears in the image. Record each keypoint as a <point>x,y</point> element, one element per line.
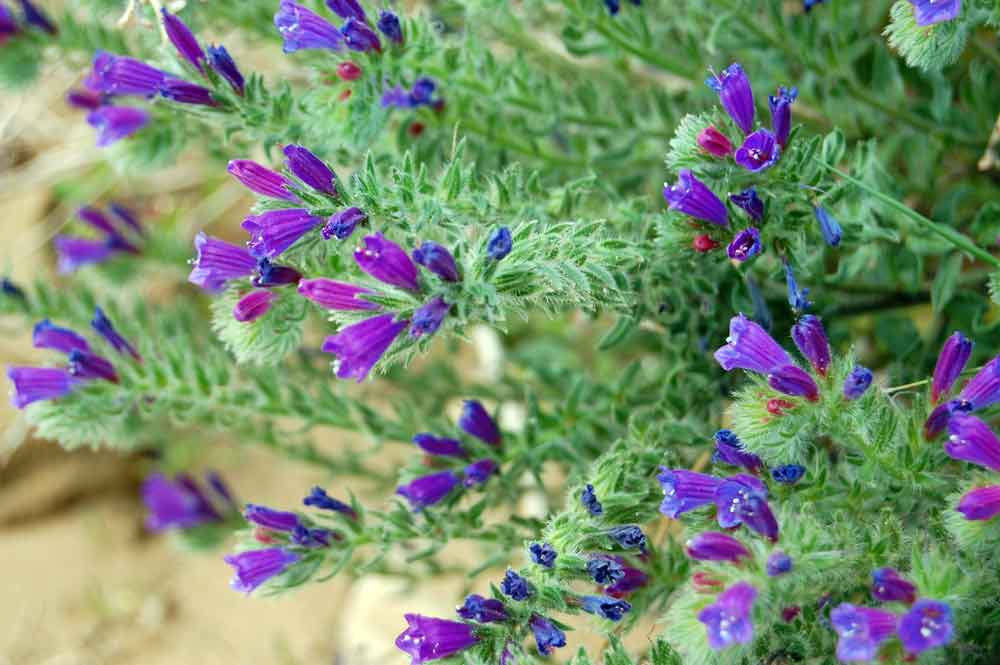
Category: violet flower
<point>274,231</point>
<point>87,366</point>
<point>359,346</point>
<point>515,586</point>
<point>607,608</point>
<point>589,500</point>
<point>261,180</point>
<point>547,635</point>
<point>931,12</point>
<point>476,421</point>
<point>342,224</point>
<point>759,152</point>
<point>255,567</point>
<point>270,275</point>
<point>176,504</point>
<point>788,474</point>
<point>388,25</point>
<point>103,326</point>
<point>862,631</point>
<point>745,245</point>
<point>950,363</point>
<point>714,142</point>
<point>225,66</point>
<point>438,260</point>
<point>253,305</point>
<point>543,554</point>
<point>692,197</point>
<point>35,17</point>
<point>119,75</point>
<point>185,92</point>
<point>387,262</point>
<point>631,579</point>
<point>927,625</point>
<point>8,24</point>
<point>426,638</point>
<point>114,123</point>
<point>857,382</point>
<point>728,619</point>
<point>428,317</point>
<point>219,262</point>
<point>478,472</point>
<point>605,569</point>
<point>888,585</point>
<point>35,384</point>
<point>750,347</point>
<point>428,490</point>
<point>269,518</point>
<point>80,99</point>
<point>336,295</point>
<point>685,490</point>
<point>483,610</point>
<point>183,40</point>
<point>781,113</point>
<point>629,536</point>
<point>778,563</point>
<point>715,546</point>
<point>980,504</point>
<point>736,95</point>
<point>972,440</point>
<point>810,337</point>
<point>318,498</point>
<point>499,244</point>
<point>828,226</point>
<point>750,203</point>
<point>346,9</point>
<point>729,449</point>
<point>302,29</point>
<point>310,169</point>
<point>359,37</point>
<point>435,445</point>
<point>981,391</point>
<point>47,335</point>
<point>742,499</point>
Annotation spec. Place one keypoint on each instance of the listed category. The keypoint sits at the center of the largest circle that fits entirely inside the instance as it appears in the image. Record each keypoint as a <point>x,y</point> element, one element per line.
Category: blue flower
<point>499,244</point>
<point>589,500</point>
<point>483,610</point>
<point>543,554</point>
<point>728,619</point>
<point>828,226</point>
<point>547,636</point>
<point>605,570</point>
<point>515,586</point>
<point>255,567</point>
<point>318,498</point>
<point>797,298</point>
<point>788,474</point>
<point>604,607</point>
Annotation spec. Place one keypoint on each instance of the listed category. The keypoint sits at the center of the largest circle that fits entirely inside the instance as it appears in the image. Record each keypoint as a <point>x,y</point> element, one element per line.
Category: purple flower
<point>304,29</point>
<point>543,554</point>
<point>219,262</point>
<point>736,95</point>
<point>478,472</point>
<point>745,245</point>
<point>255,567</point>
<point>927,625</point>
<point>428,490</point>
<point>604,607</point>
<point>781,113</point>
<point>982,391</point>
<point>629,536</point>
<point>275,520</point>
<point>336,295</point>
<point>225,66</point>
<point>303,536</point>
<point>359,37</point>
<point>714,142</point>
<point>728,619</point>
<point>9,288</point>
<point>950,363</point>
<point>318,498</point>
<point>359,346</point>
<point>929,12</point>
<point>34,384</point>
<point>857,382</point>
<point>605,569</point>
<point>589,500</point>
<point>388,25</point>
<point>114,123</point>
<point>103,326</point>
<point>35,17</point>
<point>499,244</point>
<point>778,563</point>
<point>8,24</point>
<point>631,579</point>
<point>426,638</point>
<point>87,366</point>
<point>862,630</point>
<point>809,335</point>
<point>310,169</point>
<point>547,636</point>
<point>476,421</point>
<point>483,610</point>
<point>118,75</point>
<point>253,305</point>
<point>794,381</point>
<point>387,262</point>
<point>715,546</point>
<point>750,203</point>
<point>980,504</point>
<point>692,197</point>
<point>888,585</point>
<point>270,275</point>
<point>342,224</point>
<point>176,504</point>
<point>788,474</point>
<point>828,226</point>
<point>729,449</point>
<point>81,99</point>
<point>759,152</point>
<point>435,445</point>
<point>274,231</point>
<point>742,499</point>
<point>346,9</point>
<point>261,180</point>
<point>428,317</point>
<point>438,260</point>
<point>127,216</point>
<point>183,40</point>
<point>47,335</point>
<point>685,490</point>
<point>973,441</point>
<point>185,92</point>
<point>749,347</point>
<point>515,586</point>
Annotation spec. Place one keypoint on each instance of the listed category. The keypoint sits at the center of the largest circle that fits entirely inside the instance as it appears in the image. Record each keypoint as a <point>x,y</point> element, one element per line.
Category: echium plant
<point>732,265</point>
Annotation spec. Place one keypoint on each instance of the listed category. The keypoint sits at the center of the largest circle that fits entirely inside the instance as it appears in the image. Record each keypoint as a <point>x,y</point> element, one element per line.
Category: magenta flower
<point>728,619</point>
<point>359,346</point>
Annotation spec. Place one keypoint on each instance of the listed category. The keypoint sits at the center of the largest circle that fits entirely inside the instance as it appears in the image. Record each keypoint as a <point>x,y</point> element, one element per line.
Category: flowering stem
<point>922,382</point>
<point>951,235</point>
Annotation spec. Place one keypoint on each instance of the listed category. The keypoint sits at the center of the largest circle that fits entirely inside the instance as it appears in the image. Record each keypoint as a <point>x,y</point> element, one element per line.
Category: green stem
<point>946,232</point>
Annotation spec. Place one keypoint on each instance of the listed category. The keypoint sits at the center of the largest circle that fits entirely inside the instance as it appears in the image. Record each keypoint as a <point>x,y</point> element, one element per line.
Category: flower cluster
<point>303,29</point>
<point>430,489</point>
<point>34,384</point>
<point>181,503</point>
<point>114,76</point>
<point>120,231</point>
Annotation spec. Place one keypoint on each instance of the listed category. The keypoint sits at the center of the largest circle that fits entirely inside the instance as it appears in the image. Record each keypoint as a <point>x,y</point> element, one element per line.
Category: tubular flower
<point>692,197</point>
<point>728,619</point>
<point>736,95</point>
